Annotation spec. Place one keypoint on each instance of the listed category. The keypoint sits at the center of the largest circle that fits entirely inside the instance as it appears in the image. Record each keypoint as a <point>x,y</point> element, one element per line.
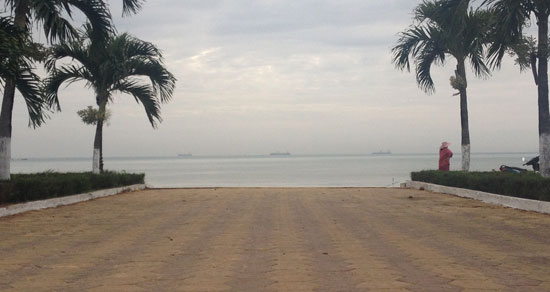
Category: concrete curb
<point>62,201</point>
<point>512,202</point>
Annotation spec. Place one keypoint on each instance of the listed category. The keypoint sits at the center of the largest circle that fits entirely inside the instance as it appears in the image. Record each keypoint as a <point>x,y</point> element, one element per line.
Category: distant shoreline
<point>25,158</point>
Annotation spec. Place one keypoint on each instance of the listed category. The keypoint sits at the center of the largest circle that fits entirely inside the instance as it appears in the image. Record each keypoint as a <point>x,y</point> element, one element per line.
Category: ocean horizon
<point>328,170</point>
<point>292,154</point>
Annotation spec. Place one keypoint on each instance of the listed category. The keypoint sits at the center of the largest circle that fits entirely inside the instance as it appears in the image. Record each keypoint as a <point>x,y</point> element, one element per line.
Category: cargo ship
<point>280,154</point>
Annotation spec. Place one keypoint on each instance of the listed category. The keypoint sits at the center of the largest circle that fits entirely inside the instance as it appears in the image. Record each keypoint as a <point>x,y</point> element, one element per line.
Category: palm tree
<point>117,66</point>
<point>17,54</point>
<point>446,28</point>
<point>512,17</point>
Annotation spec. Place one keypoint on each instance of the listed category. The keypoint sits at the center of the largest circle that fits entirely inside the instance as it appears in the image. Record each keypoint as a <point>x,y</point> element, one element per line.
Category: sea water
<point>273,171</point>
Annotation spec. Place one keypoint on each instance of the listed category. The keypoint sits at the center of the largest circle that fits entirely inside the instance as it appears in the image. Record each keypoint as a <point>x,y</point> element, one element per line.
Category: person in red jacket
<point>445,155</point>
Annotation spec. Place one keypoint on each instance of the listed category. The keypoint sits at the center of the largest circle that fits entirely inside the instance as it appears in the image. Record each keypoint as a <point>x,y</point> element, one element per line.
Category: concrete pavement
<point>276,239</point>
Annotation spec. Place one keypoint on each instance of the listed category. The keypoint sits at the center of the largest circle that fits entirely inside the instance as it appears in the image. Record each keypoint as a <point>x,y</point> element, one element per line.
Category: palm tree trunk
<point>465,143</point>
<point>5,128</point>
<point>98,144</point>
<point>97,164</point>
<point>544,111</point>
<point>7,101</point>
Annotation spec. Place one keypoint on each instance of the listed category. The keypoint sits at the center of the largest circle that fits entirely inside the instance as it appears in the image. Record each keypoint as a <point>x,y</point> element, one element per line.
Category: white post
<point>5,157</point>
<point>95,162</point>
<point>466,157</point>
<point>544,152</point>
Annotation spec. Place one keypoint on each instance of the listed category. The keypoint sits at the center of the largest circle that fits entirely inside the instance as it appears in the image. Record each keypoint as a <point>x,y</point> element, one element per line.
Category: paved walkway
<point>276,240</point>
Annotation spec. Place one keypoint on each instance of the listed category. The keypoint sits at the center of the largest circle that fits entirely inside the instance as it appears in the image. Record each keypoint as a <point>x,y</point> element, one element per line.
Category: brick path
<point>271,239</point>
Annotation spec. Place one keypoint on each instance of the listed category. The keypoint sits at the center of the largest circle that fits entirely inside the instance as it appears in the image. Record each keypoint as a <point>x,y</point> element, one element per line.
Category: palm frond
<point>408,45</point>
<point>427,10</point>
<point>98,16</point>
<point>15,44</point>
<point>67,73</point>
<point>424,44</point>
<point>131,7</point>
<point>139,58</point>
<point>524,51</point>
<point>12,44</point>
<point>511,16</point>
<point>143,94</point>
<point>133,47</point>
<point>75,50</point>
<point>28,84</point>
<point>163,82</point>
<point>475,38</point>
<point>50,14</point>
<point>477,60</point>
<point>430,55</point>
<point>454,15</point>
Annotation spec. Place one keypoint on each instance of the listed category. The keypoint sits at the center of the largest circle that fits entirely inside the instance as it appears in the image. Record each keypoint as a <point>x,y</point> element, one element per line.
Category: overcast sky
<point>308,77</point>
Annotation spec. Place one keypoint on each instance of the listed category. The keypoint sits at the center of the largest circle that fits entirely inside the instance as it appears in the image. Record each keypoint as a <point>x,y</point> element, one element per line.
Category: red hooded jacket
<point>445,155</point>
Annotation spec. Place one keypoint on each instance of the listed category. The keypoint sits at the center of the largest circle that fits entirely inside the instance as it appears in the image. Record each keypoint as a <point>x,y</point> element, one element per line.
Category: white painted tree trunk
<point>466,157</point>
<point>544,151</point>
<point>5,157</point>
<point>95,162</point>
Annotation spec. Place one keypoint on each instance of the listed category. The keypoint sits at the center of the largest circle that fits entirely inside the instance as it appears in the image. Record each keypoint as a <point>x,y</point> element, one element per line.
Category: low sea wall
<point>507,201</point>
<point>62,201</point>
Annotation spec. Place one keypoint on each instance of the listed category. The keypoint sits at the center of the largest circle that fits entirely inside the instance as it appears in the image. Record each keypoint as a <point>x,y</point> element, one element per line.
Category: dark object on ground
<point>528,185</point>
<point>534,162</point>
<point>512,169</point>
<point>46,185</point>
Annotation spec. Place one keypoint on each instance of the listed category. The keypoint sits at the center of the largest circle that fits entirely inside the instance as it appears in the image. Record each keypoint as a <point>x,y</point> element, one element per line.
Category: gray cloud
<point>256,76</point>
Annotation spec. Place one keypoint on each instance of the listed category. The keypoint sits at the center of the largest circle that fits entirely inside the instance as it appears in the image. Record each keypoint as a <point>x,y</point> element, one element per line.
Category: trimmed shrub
<point>45,185</point>
<point>528,185</point>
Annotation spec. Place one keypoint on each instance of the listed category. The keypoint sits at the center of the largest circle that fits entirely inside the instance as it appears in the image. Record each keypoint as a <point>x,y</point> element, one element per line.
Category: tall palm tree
<point>446,28</point>
<point>512,17</point>
<point>118,66</point>
<point>17,53</point>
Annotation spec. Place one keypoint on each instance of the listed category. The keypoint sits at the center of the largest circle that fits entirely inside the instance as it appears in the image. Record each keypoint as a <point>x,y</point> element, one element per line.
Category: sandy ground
<point>270,239</point>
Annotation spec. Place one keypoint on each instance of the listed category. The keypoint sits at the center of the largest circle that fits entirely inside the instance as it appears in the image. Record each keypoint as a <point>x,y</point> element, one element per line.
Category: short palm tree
<point>446,28</point>
<point>118,65</point>
<point>512,16</point>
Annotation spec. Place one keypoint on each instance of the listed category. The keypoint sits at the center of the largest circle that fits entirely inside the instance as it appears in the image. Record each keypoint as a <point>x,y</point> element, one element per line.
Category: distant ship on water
<point>382,152</point>
<point>185,155</point>
<point>280,154</point>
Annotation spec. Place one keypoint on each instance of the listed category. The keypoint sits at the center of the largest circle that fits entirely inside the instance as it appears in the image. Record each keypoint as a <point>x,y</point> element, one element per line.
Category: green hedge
<point>522,185</point>
<point>39,186</point>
